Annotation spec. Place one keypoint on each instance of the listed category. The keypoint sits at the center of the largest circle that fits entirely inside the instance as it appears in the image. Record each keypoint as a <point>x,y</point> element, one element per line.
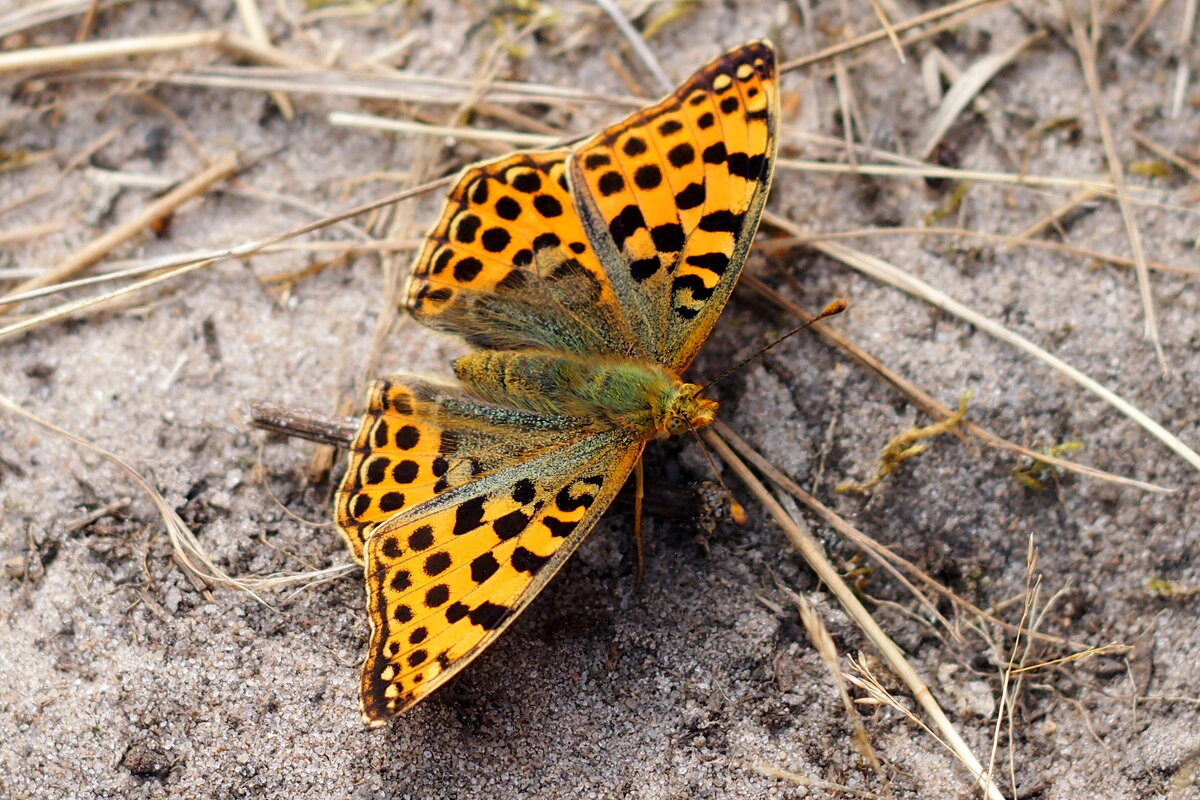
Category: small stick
<point>302,423</point>
<point>814,554</point>
<point>73,55</point>
<point>96,249</point>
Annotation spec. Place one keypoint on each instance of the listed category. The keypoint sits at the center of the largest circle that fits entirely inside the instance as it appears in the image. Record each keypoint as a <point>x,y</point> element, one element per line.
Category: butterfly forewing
<point>509,267</point>
<point>671,198</point>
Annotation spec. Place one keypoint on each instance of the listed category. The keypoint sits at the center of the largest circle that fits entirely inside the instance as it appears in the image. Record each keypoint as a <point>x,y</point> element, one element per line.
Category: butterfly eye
<point>676,425</point>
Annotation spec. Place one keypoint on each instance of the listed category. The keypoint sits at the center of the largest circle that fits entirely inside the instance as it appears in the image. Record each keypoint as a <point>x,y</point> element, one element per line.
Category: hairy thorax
<point>608,392</point>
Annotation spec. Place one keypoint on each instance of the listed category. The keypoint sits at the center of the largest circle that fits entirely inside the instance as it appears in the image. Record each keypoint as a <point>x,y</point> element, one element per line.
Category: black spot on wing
<point>713,262</point>
<point>692,196</point>
<point>668,238</point>
<point>643,268</point>
<point>468,516</point>
<point>723,220</point>
<point>488,615</point>
<point>625,224</point>
<point>525,560</point>
<point>468,269</point>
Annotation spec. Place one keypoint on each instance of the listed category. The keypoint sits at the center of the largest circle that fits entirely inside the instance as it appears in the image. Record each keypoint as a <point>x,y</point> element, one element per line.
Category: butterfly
<point>587,278</point>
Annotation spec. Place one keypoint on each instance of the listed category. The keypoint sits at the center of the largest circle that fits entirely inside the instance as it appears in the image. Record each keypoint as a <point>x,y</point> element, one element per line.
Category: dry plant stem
<point>241,251</point>
<point>882,555</point>
<point>881,34</point>
<point>1085,47</point>
<point>1056,214</point>
<point>883,271</point>
<point>1015,241</point>
<point>186,549</point>
<point>886,24</point>
<point>516,139</point>
<point>101,246</point>
<point>399,86</point>
<point>119,270</point>
<point>813,554</point>
<point>644,53</point>
<point>823,642</point>
<point>72,55</point>
<point>252,19</point>
<point>35,231</point>
<point>311,425</point>
<point>834,789</point>
<point>948,173</point>
<point>964,90</point>
<point>1182,163</point>
<point>927,403</point>
<point>27,15</point>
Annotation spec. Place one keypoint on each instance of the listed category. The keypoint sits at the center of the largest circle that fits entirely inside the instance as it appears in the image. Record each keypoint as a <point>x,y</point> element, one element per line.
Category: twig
<point>99,247</point>
<point>926,402</point>
<point>1086,50</point>
<point>881,34</point>
<point>883,271</point>
<point>71,55</point>
<point>644,53</point>
<point>814,555</point>
<point>311,425</point>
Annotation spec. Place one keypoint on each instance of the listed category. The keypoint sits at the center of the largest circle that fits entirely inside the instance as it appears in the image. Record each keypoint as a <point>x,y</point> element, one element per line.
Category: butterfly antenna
<point>836,307</point>
<point>736,510</point>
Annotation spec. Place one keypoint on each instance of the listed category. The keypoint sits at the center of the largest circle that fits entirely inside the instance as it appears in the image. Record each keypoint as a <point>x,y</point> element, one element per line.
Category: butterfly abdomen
<point>606,392</point>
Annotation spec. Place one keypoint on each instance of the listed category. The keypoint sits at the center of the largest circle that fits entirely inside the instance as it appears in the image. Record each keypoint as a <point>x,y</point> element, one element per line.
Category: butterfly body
<point>587,278</point>
<point>647,399</point>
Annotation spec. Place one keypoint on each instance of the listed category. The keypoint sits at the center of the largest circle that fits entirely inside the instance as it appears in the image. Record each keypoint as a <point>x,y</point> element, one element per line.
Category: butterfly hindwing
<point>418,438</point>
<point>509,267</point>
<point>671,198</point>
<point>445,577</point>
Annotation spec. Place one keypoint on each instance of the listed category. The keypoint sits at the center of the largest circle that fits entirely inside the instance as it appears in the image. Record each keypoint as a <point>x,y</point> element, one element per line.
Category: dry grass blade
<point>1085,48</point>
<point>835,789</point>
<point>927,403</point>
<point>250,248</point>
<point>964,89</point>
<point>887,559</point>
<point>640,49</point>
<point>188,551</point>
<point>252,19</point>
<point>886,24</point>
<point>1009,239</point>
<point>860,42</point>
<point>822,640</point>
<point>400,86</point>
<point>947,173</point>
<point>99,247</point>
<point>888,273</point>
<point>72,55</point>
<point>373,122</point>
<point>131,268</point>
<point>1148,17</point>
<point>814,555</point>
<point>31,232</point>
<point>28,15</point>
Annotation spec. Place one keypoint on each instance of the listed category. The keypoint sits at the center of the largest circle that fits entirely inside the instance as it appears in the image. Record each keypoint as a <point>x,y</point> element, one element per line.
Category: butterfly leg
<point>639,494</point>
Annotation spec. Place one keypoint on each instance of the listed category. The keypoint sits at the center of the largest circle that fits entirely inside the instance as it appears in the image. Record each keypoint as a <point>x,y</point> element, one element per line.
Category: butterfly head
<point>688,411</point>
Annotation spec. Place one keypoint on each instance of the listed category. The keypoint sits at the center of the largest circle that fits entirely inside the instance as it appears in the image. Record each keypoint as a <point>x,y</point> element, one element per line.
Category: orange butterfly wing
<point>671,198</point>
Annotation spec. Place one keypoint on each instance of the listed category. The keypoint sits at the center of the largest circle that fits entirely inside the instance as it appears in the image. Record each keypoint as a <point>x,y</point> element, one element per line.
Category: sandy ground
<point>119,679</point>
